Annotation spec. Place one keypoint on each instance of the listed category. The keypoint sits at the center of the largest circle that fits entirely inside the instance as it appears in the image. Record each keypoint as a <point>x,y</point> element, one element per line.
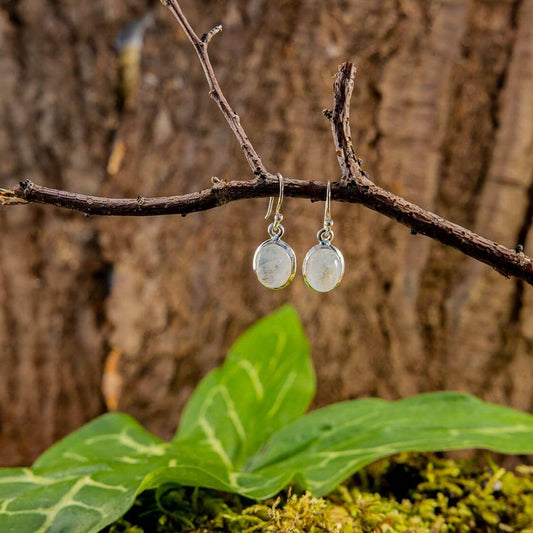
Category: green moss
<point>411,493</point>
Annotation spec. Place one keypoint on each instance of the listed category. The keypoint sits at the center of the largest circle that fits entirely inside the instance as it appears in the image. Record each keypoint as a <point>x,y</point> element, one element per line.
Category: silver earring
<point>274,260</point>
<point>323,266</point>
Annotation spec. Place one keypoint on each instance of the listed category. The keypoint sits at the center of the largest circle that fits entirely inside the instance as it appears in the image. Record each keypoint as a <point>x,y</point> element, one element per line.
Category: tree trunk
<point>442,114</point>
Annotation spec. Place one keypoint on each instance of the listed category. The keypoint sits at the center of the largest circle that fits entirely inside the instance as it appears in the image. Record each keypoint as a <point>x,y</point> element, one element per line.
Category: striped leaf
<point>266,382</point>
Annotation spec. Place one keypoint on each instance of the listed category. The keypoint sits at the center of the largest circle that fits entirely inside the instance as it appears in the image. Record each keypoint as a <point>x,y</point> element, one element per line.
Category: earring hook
<point>325,235</point>
<point>327,210</point>
<point>280,198</point>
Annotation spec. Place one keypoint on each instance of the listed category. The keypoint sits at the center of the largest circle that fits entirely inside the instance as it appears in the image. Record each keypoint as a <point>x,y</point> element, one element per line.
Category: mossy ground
<point>411,493</point>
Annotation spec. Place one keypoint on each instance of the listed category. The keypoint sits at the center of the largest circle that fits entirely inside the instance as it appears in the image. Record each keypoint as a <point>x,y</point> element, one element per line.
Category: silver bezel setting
<point>289,251</point>
<point>308,255</point>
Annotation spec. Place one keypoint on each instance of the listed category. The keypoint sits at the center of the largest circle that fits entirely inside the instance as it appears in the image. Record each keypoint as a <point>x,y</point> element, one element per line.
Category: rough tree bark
<point>442,114</point>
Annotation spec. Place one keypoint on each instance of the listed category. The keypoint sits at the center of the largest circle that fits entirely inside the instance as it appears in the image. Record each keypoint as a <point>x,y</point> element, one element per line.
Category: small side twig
<point>200,45</point>
<point>8,197</point>
<point>340,126</point>
<point>206,37</point>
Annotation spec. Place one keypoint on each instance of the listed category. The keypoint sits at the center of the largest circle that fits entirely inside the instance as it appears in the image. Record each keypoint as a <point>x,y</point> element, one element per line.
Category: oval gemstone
<point>323,268</point>
<point>274,264</point>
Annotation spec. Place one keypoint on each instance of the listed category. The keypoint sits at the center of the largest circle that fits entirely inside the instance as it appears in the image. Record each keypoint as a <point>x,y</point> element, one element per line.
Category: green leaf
<point>117,435</point>
<point>91,478</point>
<point>266,382</point>
<point>327,446</point>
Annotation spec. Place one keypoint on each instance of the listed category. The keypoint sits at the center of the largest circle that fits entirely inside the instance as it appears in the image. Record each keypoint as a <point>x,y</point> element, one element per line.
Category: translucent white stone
<point>274,264</point>
<point>323,268</point>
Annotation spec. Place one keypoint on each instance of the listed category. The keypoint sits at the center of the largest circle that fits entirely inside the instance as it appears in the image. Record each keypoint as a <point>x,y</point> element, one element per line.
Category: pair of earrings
<point>275,261</point>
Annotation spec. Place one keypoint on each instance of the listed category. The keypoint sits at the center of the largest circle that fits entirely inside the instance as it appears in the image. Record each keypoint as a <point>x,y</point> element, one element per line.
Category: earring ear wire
<point>327,207</point>
<point>280,198</point>
<point>274,260</point>
<point>323,266</point>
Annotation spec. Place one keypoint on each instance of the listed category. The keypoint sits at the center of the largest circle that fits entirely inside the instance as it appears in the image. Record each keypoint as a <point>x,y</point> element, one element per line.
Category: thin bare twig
<point>206,37</point>
<point>200,45</point>
<point>340,126</point>
<point>506,261</point>
<point>355,186</point>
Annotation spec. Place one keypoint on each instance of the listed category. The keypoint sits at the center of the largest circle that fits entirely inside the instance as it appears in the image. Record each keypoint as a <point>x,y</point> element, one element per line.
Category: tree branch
<point>355,186</point>
<point>219,194</point>
<point>506,261</point>
<point>200,45</point>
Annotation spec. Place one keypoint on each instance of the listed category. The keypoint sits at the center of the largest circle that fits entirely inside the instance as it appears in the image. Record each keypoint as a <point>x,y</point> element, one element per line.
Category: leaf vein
<point>281,395</point>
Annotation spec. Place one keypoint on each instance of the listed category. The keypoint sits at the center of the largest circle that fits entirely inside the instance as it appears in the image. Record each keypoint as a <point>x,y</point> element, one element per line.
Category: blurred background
<point>128,313</point>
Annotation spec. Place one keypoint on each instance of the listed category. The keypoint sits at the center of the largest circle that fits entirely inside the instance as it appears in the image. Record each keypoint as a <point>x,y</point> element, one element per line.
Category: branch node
<point>26,185</point>
<point>218,183</point>
<point>207,37</point>
<point>23,189</point>
<point>523,259</point>
<point>328,113</point>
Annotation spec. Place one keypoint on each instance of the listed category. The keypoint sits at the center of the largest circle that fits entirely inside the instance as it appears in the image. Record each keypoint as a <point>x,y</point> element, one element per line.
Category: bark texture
<point>442,114</point>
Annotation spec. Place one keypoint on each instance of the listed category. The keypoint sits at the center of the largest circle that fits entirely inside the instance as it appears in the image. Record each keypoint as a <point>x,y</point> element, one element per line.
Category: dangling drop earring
<point>323,266</point>
<point>274,260</point>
